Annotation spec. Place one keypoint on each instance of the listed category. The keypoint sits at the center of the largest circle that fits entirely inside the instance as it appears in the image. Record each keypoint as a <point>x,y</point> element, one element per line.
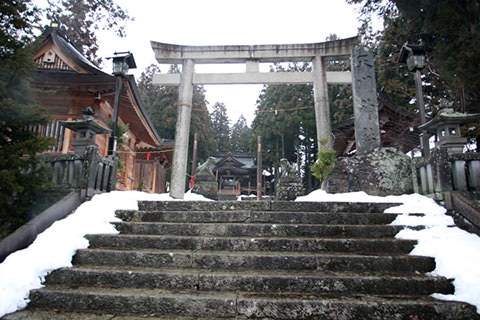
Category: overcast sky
<point>225,22</point>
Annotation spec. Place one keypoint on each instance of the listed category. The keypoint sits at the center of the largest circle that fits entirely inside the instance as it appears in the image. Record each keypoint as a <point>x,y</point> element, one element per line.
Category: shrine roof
<point>243,160</point>
<point>63,69</point>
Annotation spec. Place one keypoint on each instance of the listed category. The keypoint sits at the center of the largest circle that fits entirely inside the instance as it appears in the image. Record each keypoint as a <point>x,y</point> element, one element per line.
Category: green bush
<point>326,160</point>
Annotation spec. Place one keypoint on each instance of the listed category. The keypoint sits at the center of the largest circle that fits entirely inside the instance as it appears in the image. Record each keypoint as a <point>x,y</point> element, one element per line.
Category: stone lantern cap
<point>87,122</point>
<point>410,49</point>
<point>446,117</point>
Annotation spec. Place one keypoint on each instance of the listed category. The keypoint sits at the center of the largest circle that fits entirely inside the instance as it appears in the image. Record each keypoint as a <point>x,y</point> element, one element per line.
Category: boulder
<point>384,171</point>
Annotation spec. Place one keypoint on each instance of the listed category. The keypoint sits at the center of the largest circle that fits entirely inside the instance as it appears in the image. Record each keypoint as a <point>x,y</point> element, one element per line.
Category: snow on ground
<point>455,251</point>
<point>26,269</point>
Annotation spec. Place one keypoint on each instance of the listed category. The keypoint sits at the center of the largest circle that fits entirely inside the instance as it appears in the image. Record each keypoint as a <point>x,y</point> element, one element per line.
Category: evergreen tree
<point>161,102</point>
<point>449,32</point>
<point>285,119</point>
<point>17,19</point>
<point>241,137</point>
<point>80,19</point>
<point>23,176</point>
<point>221,127</point>
<point>202,125</point>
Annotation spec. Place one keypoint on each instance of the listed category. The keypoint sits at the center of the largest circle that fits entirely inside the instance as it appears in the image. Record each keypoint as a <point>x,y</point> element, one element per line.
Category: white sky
<point>222,22</point>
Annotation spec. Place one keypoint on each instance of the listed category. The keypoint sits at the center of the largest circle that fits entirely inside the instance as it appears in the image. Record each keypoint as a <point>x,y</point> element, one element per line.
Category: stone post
<point>112,180</point>
<point>90,164</point>
<point>443,170</point>
<point>474,170</point>
<point>459,175</point>
<point>182,131</point>
<point>322,108</point>
<point>365,107</point>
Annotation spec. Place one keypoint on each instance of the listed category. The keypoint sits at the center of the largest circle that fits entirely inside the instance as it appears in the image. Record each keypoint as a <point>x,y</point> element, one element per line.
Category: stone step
<point>226,197</point>
<point>258,229</point>
<point>265,281</point>
<point>306,244</point>
<point>254,260</point>
<point>243,216</point>
<point>290,206</point>
<point>45,314</point>
<point>246,306</point>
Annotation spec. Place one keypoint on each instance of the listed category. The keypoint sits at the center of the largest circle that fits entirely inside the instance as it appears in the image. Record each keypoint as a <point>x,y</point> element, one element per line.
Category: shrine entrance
<point>364,94</point>
<point>235,174</point>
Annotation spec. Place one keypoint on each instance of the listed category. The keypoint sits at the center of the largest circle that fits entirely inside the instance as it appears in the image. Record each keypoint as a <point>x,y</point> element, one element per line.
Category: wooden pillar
<point>194,157</point>
<point>259,168</point>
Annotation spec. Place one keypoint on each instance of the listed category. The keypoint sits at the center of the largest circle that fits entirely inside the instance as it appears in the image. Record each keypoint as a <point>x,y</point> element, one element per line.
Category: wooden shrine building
<point>236,174</point>
<point>68,83</point>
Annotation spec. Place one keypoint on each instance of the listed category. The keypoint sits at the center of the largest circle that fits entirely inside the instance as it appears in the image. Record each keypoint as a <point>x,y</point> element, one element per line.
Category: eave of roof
<point>103,83</point>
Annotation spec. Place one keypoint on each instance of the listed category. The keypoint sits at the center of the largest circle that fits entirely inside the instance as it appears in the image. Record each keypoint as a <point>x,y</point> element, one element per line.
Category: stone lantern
<point>85,130</point>
<point>446,126</point>
<point>413,56</point>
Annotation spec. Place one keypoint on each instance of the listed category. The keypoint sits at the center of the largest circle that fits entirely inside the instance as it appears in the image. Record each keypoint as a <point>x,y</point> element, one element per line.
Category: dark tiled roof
<point>67,47</point>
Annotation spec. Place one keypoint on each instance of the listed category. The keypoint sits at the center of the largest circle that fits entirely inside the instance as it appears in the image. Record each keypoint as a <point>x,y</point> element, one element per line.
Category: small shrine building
<point>236,174</point>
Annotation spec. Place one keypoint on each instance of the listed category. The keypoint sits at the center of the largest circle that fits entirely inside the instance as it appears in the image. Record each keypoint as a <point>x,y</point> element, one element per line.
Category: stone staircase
<point>248,260</point>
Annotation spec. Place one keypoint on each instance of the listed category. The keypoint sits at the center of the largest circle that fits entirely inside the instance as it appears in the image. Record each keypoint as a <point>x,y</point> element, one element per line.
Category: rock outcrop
<point>385,171</point>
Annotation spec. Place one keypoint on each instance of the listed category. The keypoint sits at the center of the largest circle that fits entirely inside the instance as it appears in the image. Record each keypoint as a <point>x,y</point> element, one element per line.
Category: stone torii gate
<point>364,93</point>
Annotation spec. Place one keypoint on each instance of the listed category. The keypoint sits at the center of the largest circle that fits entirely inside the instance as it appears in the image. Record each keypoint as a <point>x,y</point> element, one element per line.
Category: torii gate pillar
<point>322,108</point>
<point>182,130</point>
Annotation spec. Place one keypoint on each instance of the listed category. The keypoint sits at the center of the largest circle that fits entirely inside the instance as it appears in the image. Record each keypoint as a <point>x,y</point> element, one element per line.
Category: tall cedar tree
<point>241,137</point>
<point>81,19</point>
<point>221,127</point>
<point>161,102</point>
<point>285,120</point>
<point>23,177</point>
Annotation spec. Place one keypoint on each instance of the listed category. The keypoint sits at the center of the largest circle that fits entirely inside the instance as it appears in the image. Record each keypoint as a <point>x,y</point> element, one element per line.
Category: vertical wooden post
<point>116,105</point>
<point>194,156</point>
<point>424,139</point>
<point>259,168</point>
